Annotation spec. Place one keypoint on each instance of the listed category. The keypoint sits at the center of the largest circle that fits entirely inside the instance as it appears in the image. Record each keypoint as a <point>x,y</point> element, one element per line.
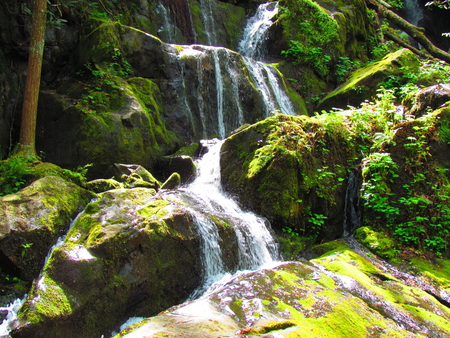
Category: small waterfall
<point>180,84</point>
<point>413,11</point>
<point>281,98</point>
<point>252,48</point>
<point>220,93</point>
<point>256,31</point>
<point>353,205</point>
<point>167,30</point>
<point>275,98</point>
<point>232,72</point>
<point>11,310</point>
<point>204,198</point>
<point>208,21</point>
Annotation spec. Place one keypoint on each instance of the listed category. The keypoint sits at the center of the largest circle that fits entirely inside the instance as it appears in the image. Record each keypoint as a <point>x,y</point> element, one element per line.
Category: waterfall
<point>275,98</point>
<point>180,84</point>
<point>204,198</point>
<point>12,309</point>
<point>219,91</point>
<point>167,30</point>
<point>208,21</point>
<point>353,205</point>
<point>252,48</point>
<point>413,11</point>
<point>256,31</point>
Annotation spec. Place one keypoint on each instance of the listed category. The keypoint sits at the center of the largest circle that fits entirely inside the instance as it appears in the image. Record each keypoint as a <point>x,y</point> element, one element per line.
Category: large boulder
<point>129,253</point>
<point>32,219</point>
<point>427,99</point>
<point>117,124</point>
<point>291,170</point>
<point>341,293</point>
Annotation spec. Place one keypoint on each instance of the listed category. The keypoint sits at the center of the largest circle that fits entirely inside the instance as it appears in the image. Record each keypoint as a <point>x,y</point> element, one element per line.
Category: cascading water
<point>219,90</point>
<point>413,11</point>
<point>205,199</point>
<point>208,21</point>
<point>166,31</point>
<point>11,315</point>
<point>252,48</point>
<point>256,31</point>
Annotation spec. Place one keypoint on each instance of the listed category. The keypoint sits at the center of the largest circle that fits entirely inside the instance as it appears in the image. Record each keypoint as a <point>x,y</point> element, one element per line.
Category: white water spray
<point>256,31</point>
<point>265,77</point>
<point>12,309</point>
<point>204,198</point>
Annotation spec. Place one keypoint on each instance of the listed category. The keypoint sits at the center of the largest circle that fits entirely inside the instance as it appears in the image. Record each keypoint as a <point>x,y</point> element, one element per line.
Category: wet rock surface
<point>341,293</point>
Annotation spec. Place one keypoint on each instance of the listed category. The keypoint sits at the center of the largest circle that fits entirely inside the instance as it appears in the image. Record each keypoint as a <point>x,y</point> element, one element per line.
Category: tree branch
<point>417,33</point>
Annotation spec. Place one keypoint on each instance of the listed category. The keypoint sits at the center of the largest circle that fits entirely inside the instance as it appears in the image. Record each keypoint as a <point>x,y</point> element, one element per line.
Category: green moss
<point>52,302</point>
<point>439,271</point>
<point>153,209</point>
<point>232,18</point>
<point>378,242</point>
<point>190,150</point>
<point>364,82</point>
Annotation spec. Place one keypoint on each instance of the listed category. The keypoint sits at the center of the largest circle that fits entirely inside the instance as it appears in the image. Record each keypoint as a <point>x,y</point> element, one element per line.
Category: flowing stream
<point>266,77</point>
<point>205,199</point>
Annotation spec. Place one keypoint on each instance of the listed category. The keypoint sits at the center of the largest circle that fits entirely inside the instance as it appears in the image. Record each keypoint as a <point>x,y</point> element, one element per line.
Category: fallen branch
<point>417,33</point>
<point>398,40</point>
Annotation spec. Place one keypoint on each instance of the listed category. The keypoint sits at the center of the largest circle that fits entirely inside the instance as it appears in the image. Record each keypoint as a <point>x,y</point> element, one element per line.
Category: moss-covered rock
<point>100,131</point>
<point>317,33</point>
<point>377,242</point>
<point>425,99</point>
<point>102,185</point>
<point>128,253</point>
<point>173,182</point>
<point>339,294</point>
<point>290,170</point>
<point>32,219</point>
<point>364,82</point>
<point>182,164</point>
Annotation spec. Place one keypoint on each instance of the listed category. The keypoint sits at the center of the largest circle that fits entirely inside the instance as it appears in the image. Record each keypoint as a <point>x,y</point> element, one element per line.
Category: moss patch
<point>378,242</point>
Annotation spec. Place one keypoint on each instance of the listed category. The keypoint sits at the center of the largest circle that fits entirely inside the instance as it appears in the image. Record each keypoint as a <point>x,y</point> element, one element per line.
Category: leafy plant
<point>343,68</point>
<point>312,34</point>
<point>78,176</point>
<point>12,174</point>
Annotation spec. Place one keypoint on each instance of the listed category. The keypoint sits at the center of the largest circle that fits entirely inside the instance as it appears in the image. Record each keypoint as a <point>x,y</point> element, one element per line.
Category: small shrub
<point>12,174</point>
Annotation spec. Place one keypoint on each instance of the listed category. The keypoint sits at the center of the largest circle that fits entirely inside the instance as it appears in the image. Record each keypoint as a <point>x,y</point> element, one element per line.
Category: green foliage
<point>324,181</point>
<point>312,56</point>
<point>77,176</point>
<point>378,171</point>
<point>416,212</point>
<point>439,3</point>
<point>104,93</point>
<point>12,174</point>
<point>312,34</point>
<point>395,3</point>
<point>378,48</point>
<point>344,66</point>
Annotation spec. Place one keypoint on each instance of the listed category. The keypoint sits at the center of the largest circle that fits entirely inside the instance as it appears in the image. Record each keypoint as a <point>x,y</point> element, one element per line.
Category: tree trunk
<point>413,31</point>
<point>30,101</point>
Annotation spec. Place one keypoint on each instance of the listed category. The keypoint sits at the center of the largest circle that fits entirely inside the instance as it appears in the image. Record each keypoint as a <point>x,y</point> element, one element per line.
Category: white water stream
<point>256,31</point>
<point>265,76</point>
<point>205,200</point>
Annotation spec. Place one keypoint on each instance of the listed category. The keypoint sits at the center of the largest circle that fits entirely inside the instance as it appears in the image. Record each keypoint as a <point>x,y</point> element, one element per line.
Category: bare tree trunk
<point>413,31</point>
<point>30,101</point>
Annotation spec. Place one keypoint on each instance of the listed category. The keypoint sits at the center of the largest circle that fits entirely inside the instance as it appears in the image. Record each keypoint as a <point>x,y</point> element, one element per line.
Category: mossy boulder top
<point>32,219</point>
<point>364,82</point>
